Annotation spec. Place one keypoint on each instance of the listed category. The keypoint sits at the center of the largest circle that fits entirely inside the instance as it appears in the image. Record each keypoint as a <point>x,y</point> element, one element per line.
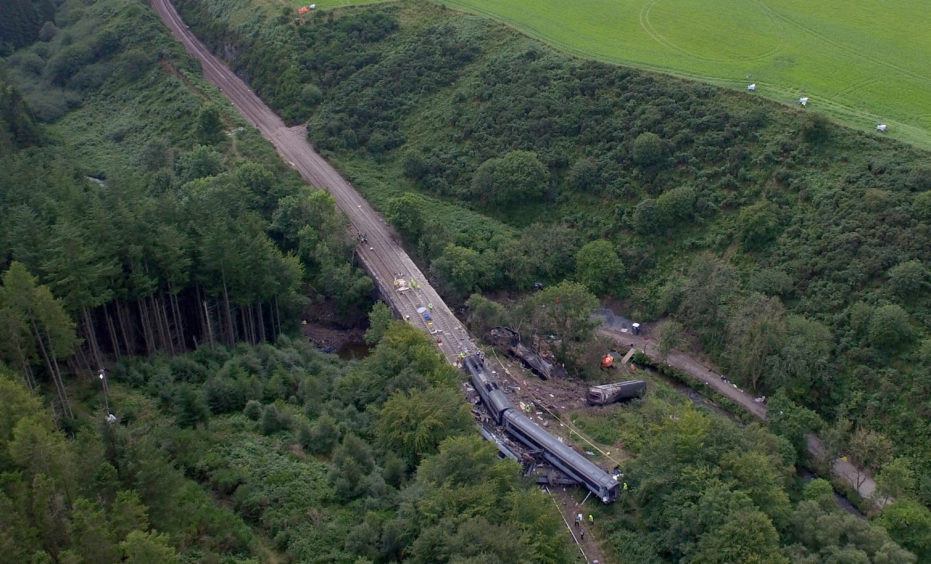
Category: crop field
<point>861,62</point>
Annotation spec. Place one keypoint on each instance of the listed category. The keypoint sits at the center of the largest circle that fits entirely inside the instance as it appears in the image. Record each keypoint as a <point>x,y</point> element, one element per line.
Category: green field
<point>860,61</point>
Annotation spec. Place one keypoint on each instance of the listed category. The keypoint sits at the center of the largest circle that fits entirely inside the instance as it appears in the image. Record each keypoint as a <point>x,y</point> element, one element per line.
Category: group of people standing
<point>578,524</point>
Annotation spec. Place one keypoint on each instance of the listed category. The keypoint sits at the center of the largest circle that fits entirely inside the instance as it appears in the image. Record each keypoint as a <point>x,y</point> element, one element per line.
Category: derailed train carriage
<point>531,435</point>
<point>509,341</point>
<point>619,391</point>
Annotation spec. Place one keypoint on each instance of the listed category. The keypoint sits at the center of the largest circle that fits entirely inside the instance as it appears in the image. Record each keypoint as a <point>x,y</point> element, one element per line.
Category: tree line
<point>155,237</point>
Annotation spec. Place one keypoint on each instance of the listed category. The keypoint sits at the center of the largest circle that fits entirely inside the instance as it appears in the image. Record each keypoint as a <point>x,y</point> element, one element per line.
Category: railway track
<point>381,254</point>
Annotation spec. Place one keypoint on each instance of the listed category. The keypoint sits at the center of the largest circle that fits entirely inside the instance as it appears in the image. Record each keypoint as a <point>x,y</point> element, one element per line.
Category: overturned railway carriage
<point>528,433</point>
<point>620,391</point>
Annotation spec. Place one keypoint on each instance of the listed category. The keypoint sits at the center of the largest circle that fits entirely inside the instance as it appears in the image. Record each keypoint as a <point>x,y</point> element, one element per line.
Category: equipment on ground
<point>607,361</point>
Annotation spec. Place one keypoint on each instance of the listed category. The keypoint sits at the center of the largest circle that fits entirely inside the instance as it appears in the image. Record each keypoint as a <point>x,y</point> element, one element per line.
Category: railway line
<point>381,254</point>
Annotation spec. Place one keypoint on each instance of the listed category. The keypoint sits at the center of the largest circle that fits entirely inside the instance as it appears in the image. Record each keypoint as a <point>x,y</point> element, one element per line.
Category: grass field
<point>861,62</point>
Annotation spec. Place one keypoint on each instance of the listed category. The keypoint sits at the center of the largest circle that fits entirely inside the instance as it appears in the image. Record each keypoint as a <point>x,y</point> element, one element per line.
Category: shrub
<point>253,410</point>
<point>321,436</point>
<point>890,326</point>
<point>757,225</point>
<point>649,149</point>
<point>274,420</point>
<point>516,177</point>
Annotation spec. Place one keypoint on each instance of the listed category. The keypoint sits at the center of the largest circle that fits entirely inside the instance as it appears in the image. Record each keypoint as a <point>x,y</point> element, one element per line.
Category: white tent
<point>881,127</point>
<point>751,87</point>
<point>803,100</point>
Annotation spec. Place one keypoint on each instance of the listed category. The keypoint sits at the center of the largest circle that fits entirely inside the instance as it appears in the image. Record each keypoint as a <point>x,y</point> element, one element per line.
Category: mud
<point>324,327</point>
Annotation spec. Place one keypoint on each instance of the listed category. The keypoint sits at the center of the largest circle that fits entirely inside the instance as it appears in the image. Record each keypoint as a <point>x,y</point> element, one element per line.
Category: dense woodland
<point>146,231</point>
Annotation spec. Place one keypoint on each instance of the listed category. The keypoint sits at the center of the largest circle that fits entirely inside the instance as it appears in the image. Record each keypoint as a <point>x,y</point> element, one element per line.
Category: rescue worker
<point>578,521</point>
<point>582,534</point>
<point>591,518</point>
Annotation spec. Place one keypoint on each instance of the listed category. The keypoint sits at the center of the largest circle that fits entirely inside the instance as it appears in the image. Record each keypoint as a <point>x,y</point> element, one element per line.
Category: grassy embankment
<point>860,63</point>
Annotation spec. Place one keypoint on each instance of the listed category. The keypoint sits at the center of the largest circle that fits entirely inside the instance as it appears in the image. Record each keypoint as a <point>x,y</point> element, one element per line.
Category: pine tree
<point>32,310</point>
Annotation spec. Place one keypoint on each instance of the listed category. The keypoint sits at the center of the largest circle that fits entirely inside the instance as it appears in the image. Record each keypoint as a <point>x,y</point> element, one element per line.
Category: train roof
<point>585,467</point>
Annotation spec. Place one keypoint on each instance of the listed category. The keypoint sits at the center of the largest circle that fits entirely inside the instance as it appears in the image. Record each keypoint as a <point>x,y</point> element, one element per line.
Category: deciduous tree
<point>669,336</point>
<point>518,176</point>
<point>460,269</point>
<point>149,548</point>
<point>890,326</point>
<point>414,425</point>
<point>648,149</point>
<point>870,450</point>
<point>598,267</point>
<point>208,124</point>
<point>896,479</point>
<point>563,311</point>
<point>379,319</point>
<point>909,524</point>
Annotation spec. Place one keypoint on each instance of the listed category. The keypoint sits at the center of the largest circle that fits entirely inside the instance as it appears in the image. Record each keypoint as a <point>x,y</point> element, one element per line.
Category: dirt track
<point>690,365</point>
<point>381,255</point>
